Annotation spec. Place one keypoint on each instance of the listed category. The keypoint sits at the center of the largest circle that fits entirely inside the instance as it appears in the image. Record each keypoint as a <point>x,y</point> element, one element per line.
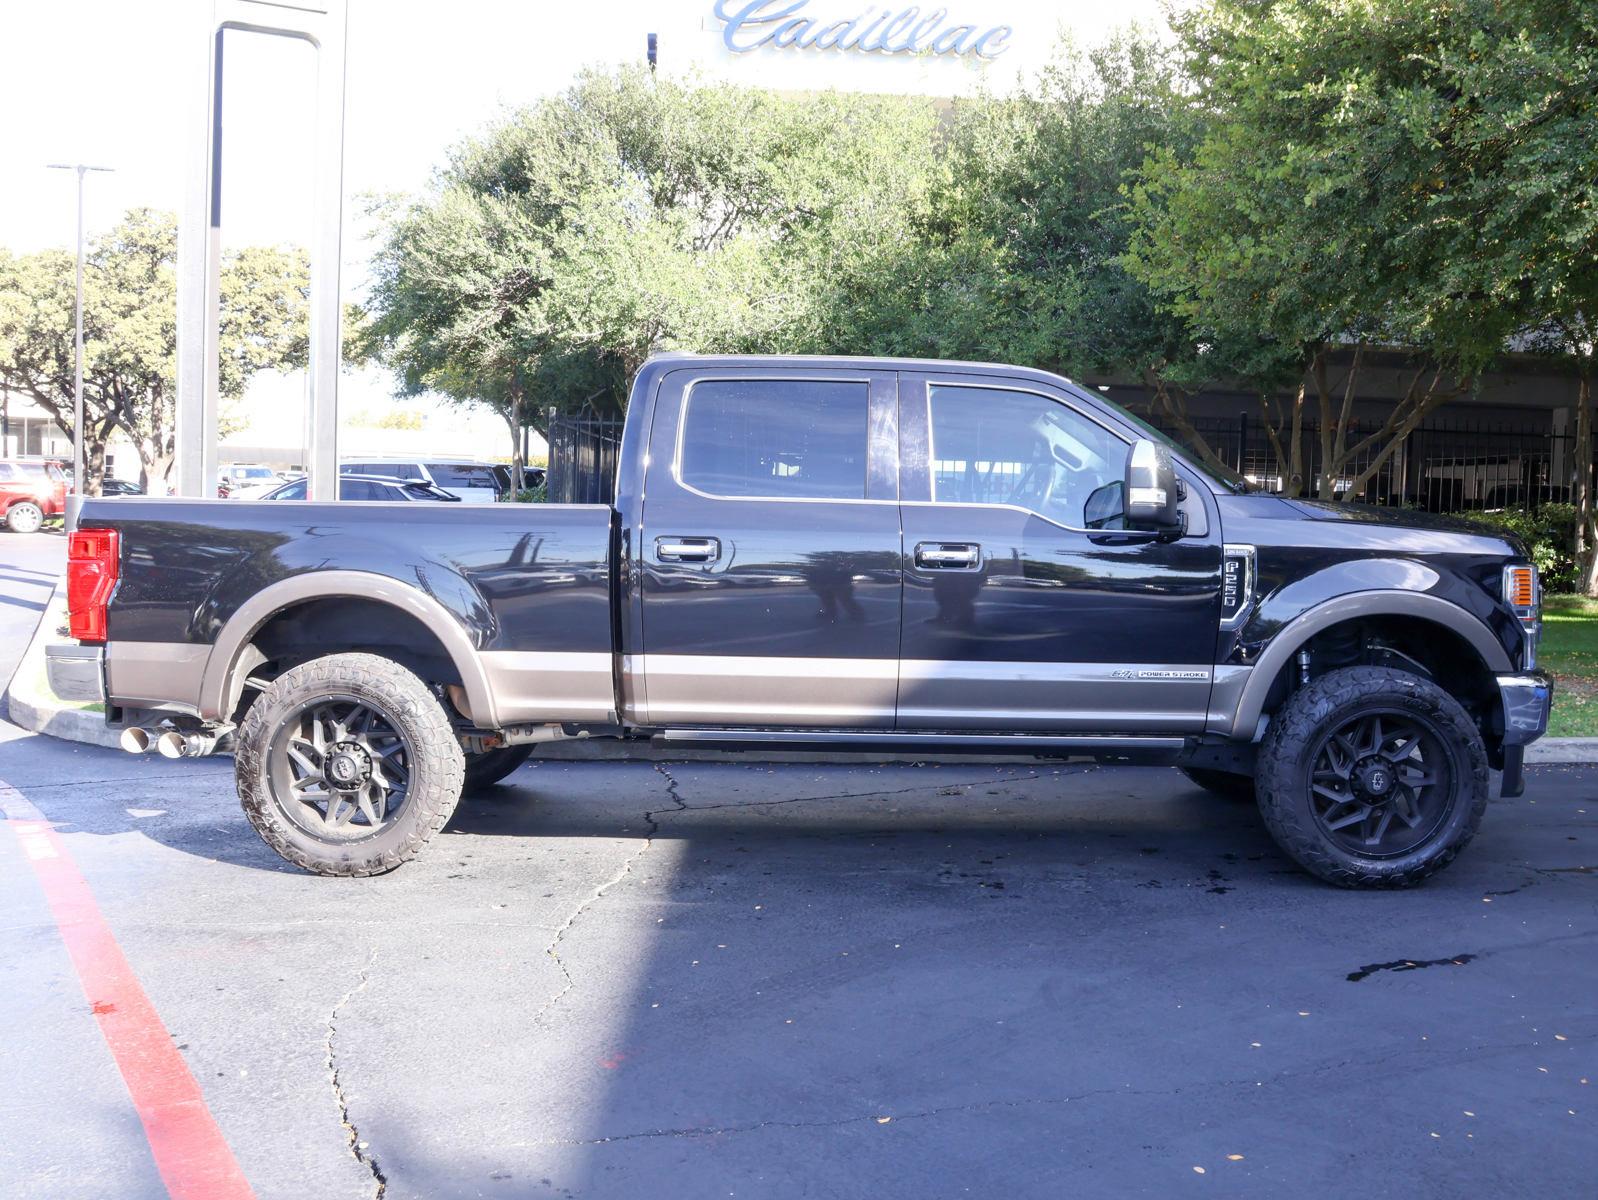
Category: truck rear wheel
<point>24,517</point>
<point>488,768</point>
<point>1222,783</point>
<point>347,765</point>
<point>1372,778</point>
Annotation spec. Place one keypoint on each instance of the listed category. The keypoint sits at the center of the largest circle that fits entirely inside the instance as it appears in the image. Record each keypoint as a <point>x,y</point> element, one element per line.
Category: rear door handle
<point>948,556</point>
<point>687,549</point>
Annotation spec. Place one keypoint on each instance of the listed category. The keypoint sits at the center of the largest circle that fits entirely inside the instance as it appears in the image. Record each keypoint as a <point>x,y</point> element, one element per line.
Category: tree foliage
<point>130,332</point>
<point>629,214</point>
<point>1378,173</point>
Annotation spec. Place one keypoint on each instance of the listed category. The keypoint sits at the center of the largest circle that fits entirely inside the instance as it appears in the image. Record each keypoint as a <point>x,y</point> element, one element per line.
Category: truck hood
<point>1369,528</point>
<point>1394,518</point>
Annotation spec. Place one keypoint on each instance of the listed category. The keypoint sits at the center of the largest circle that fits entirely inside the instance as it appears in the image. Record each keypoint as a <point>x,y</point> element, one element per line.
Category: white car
<point>245,481</point>
<point>474,481</point>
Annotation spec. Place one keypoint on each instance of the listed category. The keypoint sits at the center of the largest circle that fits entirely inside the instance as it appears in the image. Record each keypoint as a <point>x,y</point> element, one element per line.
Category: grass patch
<point>1569,652</point>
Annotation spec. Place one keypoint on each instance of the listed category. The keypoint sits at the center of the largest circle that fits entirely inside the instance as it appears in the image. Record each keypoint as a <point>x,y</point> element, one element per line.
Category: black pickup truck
<point>833,553</point>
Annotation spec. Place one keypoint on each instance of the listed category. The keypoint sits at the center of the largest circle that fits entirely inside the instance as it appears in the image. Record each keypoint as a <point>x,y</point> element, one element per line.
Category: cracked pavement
<point>625,979</point>
<point>750,979</point>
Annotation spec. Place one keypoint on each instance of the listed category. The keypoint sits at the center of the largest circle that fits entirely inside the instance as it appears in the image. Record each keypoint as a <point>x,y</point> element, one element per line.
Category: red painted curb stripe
<point>190,1152</point>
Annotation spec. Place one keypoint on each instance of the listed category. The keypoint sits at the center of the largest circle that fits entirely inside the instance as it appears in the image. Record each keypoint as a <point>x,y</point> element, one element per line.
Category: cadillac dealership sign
<point>751,24</point>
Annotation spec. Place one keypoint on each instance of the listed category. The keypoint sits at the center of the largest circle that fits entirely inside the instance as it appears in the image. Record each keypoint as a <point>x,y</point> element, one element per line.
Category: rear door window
<point>776,438</point>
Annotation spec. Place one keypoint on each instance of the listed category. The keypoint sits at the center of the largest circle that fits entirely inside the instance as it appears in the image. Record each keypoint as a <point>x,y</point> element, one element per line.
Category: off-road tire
<point>436,768</point>
<point>1299,729</point>
<point>24,517</point>
<point>488,768</point>
<point>1222,783</point>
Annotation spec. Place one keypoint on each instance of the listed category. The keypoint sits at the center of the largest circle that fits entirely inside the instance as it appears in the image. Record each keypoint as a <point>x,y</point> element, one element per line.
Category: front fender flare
<point>1240,718</point>
<point>216,685</point>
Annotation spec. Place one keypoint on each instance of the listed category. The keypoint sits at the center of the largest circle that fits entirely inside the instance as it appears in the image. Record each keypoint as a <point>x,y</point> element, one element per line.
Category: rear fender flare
<point>217,690</point>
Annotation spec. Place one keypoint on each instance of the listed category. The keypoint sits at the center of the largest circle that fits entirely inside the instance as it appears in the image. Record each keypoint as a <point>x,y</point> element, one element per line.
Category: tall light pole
<point>75,501</point>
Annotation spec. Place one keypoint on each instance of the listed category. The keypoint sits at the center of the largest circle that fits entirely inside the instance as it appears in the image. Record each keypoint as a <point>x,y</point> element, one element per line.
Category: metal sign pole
<point>323,23</point>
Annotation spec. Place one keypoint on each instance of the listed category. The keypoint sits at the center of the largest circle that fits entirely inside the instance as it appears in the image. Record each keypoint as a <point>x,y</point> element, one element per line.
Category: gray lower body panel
<point>155,674</point>
<point>539,685</point>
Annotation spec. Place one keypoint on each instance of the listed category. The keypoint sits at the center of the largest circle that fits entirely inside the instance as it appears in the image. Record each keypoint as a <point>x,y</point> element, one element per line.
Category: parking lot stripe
<point>190,1152</point>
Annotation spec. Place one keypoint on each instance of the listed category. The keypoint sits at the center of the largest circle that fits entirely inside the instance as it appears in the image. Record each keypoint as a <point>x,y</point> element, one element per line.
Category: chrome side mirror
<point>1153,492</point>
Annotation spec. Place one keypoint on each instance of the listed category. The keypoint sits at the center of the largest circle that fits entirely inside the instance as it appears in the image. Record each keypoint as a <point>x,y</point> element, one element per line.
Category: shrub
<point>532,495</point>
<point>1549,532</point>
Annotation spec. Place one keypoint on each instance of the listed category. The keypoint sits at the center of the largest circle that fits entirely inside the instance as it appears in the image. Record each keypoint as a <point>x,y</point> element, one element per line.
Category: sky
<point>111,82</point>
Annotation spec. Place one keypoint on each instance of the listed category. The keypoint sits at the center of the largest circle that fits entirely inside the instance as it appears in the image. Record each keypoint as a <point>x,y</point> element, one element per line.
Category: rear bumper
<point>76,673</point>
<point>1526,697</point>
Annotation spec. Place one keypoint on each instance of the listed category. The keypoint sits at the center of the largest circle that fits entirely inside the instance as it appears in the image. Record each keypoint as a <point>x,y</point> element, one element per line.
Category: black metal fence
<point>583,451</point>
<point>1447,465</point>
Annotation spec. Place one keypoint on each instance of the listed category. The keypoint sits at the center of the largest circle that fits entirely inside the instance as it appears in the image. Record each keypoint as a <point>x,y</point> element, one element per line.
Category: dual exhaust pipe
<point>170,743</point>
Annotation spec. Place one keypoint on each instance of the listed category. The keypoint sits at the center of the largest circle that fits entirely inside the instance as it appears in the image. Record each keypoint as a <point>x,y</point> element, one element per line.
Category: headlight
<point>1524,595</point>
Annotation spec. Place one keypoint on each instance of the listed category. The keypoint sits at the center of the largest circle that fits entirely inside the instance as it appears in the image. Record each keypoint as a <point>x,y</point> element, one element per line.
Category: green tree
<point>130,333</point>
<point>629,214</point>
<point>1345,192</point>
<point>1017,249</point>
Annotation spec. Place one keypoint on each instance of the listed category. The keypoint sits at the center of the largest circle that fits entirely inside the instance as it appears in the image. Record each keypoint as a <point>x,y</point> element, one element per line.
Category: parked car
<point>473,482</point>
<point>831,553</point>
<point>119,487</point>
<point>30,491</point>
<point>532,477</point>
<point>369,488</point>
<point>246,481</point>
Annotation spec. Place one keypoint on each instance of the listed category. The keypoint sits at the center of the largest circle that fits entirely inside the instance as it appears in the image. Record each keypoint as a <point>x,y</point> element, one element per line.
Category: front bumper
<point>76,673</point>
<point>1527,697</point>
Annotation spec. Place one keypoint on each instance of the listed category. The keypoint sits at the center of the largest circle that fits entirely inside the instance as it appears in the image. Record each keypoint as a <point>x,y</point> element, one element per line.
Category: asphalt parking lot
<point>759,980</point>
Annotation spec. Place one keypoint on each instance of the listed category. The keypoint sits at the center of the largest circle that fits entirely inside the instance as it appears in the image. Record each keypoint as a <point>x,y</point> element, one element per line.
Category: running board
<point>1114,746</point>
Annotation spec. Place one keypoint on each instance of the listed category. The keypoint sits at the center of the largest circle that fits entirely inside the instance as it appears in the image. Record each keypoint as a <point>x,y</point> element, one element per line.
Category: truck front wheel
<point>1372,778</point>
<point>347,765</point>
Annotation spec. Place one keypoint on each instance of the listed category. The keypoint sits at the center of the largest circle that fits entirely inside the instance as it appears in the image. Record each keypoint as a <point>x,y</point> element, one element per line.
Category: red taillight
<point>92,556</point>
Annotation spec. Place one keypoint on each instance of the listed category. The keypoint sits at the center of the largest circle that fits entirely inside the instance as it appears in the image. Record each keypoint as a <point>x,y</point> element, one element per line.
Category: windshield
<point>1222,474</point>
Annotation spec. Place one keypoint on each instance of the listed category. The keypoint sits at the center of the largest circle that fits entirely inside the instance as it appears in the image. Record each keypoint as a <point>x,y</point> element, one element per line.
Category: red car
<point>30,491</point>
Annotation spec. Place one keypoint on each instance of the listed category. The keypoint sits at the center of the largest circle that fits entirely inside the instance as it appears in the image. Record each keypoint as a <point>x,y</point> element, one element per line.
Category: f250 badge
<point>1237,585</point>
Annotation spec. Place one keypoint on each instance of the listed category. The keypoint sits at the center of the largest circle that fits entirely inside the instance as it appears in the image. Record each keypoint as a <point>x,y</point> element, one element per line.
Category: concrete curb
<point>1550,751</point>
<point>42,711</point>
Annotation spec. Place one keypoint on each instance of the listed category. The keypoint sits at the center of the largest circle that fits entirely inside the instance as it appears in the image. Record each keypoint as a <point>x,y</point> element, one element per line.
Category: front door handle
<point>687,549</point>
<point>948,556</point>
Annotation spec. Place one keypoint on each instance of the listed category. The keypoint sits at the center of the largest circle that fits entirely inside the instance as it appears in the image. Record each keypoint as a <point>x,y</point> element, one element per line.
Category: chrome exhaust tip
<point>173,744</point>
<point>134,740</point>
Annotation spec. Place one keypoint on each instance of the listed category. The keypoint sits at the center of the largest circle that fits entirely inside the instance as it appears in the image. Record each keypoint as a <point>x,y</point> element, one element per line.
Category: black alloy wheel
<point>1381,783</point>
<point>1372,777</point>
<point>340,767</point>
<point>348,764</point>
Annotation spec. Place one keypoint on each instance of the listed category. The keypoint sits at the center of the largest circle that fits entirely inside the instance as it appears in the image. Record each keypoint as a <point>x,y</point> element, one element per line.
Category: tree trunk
<point>1289,457</point>
<point>1586,519</point>
<point>513,420</point>
<point>1174,406</point>
<point>156,456</point>
<point>93,466</point>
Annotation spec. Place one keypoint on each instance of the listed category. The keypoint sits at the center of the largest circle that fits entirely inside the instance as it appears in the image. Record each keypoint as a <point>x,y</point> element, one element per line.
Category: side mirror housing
<point>1153,492</point>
